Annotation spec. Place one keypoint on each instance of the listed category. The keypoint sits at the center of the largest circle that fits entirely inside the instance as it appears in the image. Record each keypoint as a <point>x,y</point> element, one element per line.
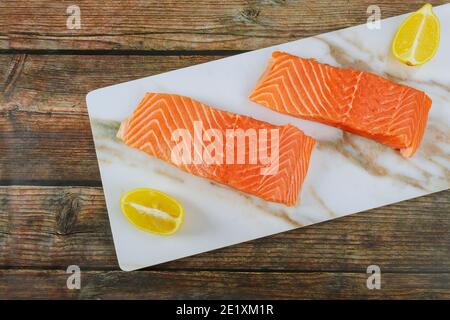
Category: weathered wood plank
<point>60,226</point>
<point>48,284</point>
<point>180,24</point>
<point>44,125</point>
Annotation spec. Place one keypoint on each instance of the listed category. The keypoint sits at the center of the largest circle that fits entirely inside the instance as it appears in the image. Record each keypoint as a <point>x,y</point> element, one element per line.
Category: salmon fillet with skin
<point>355,101</point>
<point>151,126</point>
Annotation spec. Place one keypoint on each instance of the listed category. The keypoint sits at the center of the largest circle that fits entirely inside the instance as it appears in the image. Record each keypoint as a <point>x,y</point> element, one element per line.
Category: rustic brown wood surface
<point>59,226</point>
<point>181,24</point>
<point>52,210</point>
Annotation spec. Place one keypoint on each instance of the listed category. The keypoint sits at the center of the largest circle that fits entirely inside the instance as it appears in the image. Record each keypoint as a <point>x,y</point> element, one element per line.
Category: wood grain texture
<point>60,226</point>
<point>44,126</point>
<point>180,24</point>
<point>45,139</point>
<point>48,284</point>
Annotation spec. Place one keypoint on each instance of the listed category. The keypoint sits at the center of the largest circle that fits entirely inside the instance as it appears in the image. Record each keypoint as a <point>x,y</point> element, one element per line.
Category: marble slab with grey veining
<point>347,174</point>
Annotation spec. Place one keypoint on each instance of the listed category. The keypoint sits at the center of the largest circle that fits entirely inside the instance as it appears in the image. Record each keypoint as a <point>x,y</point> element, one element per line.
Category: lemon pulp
<point>152,210</point>
<point>417,39</point>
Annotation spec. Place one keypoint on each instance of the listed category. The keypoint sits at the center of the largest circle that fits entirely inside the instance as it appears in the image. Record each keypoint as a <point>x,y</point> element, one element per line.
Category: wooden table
<point>52,209</point>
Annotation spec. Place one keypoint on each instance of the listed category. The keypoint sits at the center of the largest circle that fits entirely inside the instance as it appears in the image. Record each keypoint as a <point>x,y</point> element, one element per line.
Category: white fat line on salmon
<point>207,147</point>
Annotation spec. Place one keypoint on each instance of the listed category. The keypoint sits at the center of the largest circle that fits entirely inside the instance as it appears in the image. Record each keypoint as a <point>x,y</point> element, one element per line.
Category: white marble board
<point>348,174</point>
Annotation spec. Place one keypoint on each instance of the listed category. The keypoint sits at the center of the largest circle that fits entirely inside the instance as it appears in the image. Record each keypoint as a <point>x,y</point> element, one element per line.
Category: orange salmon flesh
<point>151,126</point>
<point>355,101</point>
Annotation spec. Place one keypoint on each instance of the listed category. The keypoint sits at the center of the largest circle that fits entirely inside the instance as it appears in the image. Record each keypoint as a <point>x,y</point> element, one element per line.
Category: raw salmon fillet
<point>151,126</point>
<point>356,101</point>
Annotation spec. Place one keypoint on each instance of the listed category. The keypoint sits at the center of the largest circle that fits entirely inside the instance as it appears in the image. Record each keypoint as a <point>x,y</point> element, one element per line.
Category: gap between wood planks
<point>218,270</point>
<point>124,52</point>
<point>51,183</point>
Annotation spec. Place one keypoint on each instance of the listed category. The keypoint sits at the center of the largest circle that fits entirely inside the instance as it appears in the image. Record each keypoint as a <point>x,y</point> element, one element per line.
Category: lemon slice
<point>152,210</point>
<point>417,39</point>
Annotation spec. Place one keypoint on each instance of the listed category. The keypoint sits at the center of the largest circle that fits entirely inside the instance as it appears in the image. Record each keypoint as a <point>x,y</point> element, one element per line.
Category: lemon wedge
<point>152,211</point>
<point>417,39</point>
